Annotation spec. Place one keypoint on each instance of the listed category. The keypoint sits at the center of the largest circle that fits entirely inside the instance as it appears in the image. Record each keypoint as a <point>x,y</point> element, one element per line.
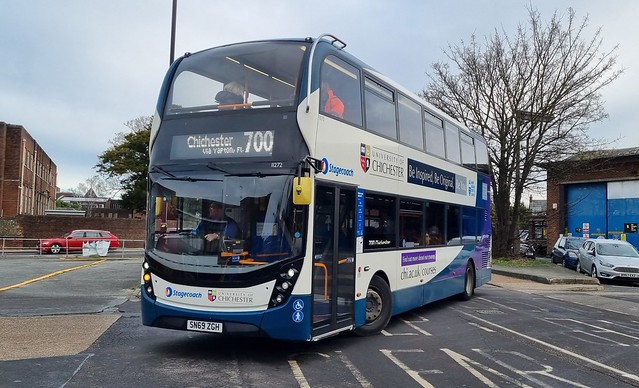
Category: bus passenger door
<point>334,259</point>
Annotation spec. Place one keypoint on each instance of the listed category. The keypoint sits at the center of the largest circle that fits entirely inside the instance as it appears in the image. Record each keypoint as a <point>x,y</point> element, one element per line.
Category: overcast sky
<point>73,72</point>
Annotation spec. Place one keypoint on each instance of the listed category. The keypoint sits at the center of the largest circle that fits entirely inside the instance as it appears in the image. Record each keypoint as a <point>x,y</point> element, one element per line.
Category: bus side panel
<point>291,321</point>
<point>360,312</point>
<point>449,282</point>
<point>445,288</point>
<point>407,299</point>
<point>483,276</point>
<point>437,289</point>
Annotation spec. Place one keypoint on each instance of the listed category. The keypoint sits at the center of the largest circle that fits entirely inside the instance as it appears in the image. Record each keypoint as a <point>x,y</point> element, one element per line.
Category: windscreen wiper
<point>191,179</point>
<point>163,171</point>
<point>259,174</point>
<point>215,167</point>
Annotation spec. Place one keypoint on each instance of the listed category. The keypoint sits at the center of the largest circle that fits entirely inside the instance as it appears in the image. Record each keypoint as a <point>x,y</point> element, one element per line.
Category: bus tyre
<point>378,307</point>
<point>469,282</point>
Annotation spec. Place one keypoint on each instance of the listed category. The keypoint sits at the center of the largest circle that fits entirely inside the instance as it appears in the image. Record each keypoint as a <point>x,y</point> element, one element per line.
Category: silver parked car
<point>609,259</point>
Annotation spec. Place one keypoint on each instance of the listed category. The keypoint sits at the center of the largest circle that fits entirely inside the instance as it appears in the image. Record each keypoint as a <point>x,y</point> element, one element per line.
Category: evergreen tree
<point>128,161</point>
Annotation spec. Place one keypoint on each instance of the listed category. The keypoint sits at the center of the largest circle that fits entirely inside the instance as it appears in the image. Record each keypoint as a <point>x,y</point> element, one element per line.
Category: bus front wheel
<point>378,307</point>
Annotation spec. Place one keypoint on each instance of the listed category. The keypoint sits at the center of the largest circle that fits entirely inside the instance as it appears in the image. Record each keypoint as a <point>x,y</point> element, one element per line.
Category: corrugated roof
<point>605,154</point>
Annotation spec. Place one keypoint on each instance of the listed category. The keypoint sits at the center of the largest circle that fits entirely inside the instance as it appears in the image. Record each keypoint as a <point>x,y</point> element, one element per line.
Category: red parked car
<point>73,241</point>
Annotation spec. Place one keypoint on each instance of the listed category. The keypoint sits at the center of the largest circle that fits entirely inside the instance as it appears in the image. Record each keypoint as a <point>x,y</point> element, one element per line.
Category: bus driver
<point>217,225</point>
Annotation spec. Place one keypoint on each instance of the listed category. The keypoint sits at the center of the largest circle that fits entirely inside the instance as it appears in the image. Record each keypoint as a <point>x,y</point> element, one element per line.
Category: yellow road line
<point>49,275</point>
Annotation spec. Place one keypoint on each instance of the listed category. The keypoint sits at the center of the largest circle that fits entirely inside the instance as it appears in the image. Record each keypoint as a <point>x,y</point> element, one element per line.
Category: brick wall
<point>11,168</point>
<point>563,174</point>
<point>36,227</point>
<point>27,174</point>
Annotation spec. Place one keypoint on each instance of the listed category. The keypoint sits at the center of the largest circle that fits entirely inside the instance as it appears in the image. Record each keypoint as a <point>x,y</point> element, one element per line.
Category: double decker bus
<point>323,215</point>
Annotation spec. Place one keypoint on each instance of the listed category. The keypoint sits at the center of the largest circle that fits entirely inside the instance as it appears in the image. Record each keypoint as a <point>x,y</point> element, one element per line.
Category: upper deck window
<point>468,151</point>
<point>251,75</point>
<point>482,157</point>
<point>434,135</point>
<point>341,81</point>
<point>380,109</point>
<point>452,143</point>
<point>410,123</point>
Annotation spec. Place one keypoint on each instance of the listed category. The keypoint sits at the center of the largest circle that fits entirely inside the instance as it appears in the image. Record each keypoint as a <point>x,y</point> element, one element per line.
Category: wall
<point>27,174</point>
<point>36,227</point>
<point>623,166</point>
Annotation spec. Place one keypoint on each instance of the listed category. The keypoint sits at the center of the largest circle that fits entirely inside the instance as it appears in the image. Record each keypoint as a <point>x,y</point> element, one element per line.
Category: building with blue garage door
<point>594,194</point>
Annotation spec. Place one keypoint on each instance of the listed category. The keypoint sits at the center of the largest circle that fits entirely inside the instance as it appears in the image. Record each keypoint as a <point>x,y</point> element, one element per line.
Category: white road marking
<point>545,371</point>
<point>353,369</point>
<point>423,332</point>
<point>413,374</point>
<point>465,363</point>
<point>299,376</point>
<point>498,304</point>
<point>481,327</point>
<point>558,349</point>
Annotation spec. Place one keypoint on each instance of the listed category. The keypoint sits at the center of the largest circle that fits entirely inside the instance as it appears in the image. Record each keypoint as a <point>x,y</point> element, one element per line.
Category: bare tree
<point>101,186</point>
<point>532,97</point>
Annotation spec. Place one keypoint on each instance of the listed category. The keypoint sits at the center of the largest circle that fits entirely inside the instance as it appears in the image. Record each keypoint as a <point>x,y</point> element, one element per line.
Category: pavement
<point>546,277</point>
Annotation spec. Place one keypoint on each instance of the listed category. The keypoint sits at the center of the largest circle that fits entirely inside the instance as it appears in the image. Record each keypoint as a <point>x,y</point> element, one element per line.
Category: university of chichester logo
<point>365,156</point>
<point>212,295</point>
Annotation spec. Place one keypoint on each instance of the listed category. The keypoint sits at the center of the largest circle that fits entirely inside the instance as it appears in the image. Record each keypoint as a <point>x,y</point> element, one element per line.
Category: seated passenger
<point>332,105</point>
<point>233,93</point>
<point>434,236</point>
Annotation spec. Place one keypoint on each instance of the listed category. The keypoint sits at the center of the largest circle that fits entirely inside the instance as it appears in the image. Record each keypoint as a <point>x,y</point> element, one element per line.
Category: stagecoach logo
<point>381,163</point>
<point>330,168</point>
<point>365,156</point>
<point>212,295</point>
<point>179,294</point>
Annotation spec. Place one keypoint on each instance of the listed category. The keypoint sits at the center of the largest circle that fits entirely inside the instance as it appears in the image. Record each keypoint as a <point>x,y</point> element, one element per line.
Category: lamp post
<point>173,17</point>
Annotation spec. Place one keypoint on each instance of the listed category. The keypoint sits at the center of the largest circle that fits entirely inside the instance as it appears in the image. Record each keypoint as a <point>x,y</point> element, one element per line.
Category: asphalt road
<point>83,329</point>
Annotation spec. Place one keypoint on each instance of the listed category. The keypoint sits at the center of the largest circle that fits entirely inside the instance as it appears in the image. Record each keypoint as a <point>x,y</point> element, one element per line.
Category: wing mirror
<point>302,191</point>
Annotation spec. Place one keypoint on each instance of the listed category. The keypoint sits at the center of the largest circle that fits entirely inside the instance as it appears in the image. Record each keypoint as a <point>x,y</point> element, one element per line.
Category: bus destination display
<point>223,145</point>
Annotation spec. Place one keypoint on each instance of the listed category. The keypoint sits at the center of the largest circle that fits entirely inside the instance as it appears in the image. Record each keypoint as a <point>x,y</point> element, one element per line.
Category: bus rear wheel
<point>378,307</point>
<point>469,282</point>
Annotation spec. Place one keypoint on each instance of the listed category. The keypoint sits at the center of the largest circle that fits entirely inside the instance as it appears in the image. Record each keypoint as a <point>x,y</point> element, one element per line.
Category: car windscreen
<point>616,250</point>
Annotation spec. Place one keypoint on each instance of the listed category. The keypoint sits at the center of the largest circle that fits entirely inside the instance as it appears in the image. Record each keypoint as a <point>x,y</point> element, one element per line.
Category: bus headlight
<point>284,286</point>
<point>285,282</point>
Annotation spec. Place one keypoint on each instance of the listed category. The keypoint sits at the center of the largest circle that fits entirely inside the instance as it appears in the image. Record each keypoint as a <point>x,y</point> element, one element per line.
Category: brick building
<point>28,176</point>
<point>594,194</point>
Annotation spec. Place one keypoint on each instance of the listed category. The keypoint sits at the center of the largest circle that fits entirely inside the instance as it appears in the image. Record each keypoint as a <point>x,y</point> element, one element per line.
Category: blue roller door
<point>623,208</point>
<point>586,207</point>
<point>602,209</point>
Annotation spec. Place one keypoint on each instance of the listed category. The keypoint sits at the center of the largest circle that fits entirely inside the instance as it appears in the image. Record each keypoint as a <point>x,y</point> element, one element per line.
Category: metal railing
<point>31,246</point>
